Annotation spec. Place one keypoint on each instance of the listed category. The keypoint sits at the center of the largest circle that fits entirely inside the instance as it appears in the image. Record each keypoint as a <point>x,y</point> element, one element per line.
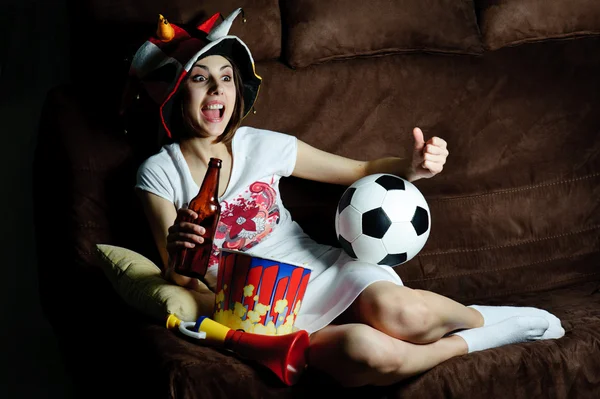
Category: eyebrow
<point>206,68</point>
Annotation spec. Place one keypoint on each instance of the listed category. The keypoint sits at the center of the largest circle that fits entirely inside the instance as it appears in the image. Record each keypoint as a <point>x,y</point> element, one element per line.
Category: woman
<point>366,327</point>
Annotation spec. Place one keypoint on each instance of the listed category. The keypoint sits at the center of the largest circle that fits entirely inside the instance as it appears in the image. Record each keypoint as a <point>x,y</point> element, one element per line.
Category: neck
<point>202,149</point>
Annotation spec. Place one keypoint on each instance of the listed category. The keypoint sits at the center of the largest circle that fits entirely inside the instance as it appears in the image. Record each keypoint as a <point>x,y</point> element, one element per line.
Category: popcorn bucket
<point>258,295</point>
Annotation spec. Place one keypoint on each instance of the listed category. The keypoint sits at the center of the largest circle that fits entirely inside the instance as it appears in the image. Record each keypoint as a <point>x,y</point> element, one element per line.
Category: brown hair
<point>238,109</point>
<point>180,129</point>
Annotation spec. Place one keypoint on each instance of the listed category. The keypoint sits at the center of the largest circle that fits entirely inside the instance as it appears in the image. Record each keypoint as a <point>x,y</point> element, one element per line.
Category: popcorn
<point>281,305</point>
<point>246,325</point>
<point>269,329</point>
<point>287,327</point>
<point>248,290</point>
<point>239,310</point>
<point>262,309</point>
<point>253,316</point>
<point>297,307</point>
<point>220,297</point>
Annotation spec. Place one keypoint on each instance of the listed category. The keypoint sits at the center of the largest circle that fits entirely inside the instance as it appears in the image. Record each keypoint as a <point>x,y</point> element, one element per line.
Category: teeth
<point>214,106</point>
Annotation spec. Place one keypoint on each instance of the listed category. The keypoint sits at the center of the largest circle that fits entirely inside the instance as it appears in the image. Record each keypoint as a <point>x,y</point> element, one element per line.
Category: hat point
<point>207,26</point>
<point>222,29</point>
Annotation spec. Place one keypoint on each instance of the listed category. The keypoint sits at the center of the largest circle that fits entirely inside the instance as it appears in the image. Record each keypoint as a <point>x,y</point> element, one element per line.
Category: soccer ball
<point>382,219</point>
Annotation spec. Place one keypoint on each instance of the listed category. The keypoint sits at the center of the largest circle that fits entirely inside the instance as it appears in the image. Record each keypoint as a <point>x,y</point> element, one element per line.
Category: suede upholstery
<point>513,22</point>
<point>515,213</point>
<point>320,31</point>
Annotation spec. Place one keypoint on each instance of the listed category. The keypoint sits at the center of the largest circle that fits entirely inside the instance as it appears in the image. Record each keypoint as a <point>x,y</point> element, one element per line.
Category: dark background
<point>33,58</point>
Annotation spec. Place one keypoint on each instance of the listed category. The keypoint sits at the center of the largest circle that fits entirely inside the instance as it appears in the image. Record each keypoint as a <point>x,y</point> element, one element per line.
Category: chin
<point>215,131</point>
<point>209,129</point>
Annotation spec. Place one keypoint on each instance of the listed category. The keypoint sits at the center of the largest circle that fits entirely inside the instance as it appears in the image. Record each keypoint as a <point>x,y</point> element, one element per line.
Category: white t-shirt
<point>253,217</point>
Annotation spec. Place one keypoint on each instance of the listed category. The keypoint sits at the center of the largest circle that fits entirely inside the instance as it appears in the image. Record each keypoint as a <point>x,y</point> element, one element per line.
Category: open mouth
<point>213,112</point>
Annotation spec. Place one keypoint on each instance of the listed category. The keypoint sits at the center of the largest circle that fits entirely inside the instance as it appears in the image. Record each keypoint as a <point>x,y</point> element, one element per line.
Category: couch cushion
<point>512,22</point>
<point>319,31</point>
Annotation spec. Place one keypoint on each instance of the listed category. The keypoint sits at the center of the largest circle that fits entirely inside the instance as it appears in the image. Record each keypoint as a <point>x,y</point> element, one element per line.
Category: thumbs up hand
<point>428,158</point>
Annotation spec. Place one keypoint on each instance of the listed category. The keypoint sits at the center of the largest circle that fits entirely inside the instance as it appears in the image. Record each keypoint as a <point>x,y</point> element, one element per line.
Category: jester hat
<point>161,64</point>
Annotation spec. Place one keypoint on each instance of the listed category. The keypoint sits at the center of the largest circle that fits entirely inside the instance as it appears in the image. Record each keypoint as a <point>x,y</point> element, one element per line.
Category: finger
<point>185,213</point>
<point>435,150</point>
<point>176,246</point>
<point>419,140</point>
<point>183,237</point>
<point>438,142</point>
<point>191,213</point>
<point>433,167</point>
<point>179,244</point>
<point>185,227</point>
<point>435,158</point>
<point>195,229</point>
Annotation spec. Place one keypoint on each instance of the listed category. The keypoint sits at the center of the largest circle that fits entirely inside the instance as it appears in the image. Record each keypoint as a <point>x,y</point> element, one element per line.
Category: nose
<point>217,87</point>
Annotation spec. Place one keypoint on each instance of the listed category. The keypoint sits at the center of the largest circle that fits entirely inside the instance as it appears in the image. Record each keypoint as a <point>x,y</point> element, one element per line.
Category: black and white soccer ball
<point>382,219</point>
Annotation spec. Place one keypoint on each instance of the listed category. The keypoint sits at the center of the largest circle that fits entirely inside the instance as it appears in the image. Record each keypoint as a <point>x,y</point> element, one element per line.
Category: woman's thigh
<point>396,310</point>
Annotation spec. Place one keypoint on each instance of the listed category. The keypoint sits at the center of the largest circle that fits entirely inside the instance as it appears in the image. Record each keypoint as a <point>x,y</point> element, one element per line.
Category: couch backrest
<point>516,207</point>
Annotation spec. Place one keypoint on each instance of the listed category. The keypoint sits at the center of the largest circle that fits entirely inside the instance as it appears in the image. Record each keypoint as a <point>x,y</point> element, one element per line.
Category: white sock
<point>495,314</point>
<point>510,331</point>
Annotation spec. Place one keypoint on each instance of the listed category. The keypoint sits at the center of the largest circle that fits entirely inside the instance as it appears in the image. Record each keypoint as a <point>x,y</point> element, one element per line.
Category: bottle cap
<point>215,162</point>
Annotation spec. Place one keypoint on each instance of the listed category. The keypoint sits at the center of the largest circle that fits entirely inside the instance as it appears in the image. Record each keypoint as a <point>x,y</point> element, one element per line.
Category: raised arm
<point>427,159</point>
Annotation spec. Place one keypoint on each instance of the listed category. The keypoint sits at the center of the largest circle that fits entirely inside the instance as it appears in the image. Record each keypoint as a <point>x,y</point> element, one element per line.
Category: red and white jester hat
<point>164,60</point>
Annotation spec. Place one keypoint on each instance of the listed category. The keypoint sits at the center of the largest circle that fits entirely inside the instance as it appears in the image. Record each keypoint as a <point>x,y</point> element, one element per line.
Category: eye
<point>198,78</point>
<point>226,78</point>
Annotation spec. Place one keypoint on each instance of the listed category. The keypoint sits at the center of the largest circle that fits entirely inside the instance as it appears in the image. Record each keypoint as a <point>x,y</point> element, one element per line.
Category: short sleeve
<point>153,177</point>
<point>275,152</point>
<point>289,154</point>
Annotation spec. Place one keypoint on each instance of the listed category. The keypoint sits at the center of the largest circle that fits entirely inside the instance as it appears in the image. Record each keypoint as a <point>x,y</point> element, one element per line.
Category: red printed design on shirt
<point>246,220</point>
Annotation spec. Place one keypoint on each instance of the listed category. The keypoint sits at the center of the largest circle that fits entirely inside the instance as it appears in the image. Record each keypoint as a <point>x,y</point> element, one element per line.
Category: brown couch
<point>513,86</point>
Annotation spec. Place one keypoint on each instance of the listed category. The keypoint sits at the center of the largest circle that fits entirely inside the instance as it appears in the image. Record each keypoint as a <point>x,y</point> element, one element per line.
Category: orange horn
<point>284,355</point>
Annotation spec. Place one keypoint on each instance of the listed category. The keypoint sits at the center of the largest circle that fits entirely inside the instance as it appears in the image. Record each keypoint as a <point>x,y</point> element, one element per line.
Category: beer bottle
<point>193,262</point>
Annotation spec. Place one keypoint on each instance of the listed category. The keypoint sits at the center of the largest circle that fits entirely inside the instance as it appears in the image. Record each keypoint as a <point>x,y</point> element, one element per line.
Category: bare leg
<point>356,355</point>
<point>411,315</point>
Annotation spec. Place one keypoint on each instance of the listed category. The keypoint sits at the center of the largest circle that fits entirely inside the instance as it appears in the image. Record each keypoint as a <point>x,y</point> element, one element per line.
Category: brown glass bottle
<point>193,262</point>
